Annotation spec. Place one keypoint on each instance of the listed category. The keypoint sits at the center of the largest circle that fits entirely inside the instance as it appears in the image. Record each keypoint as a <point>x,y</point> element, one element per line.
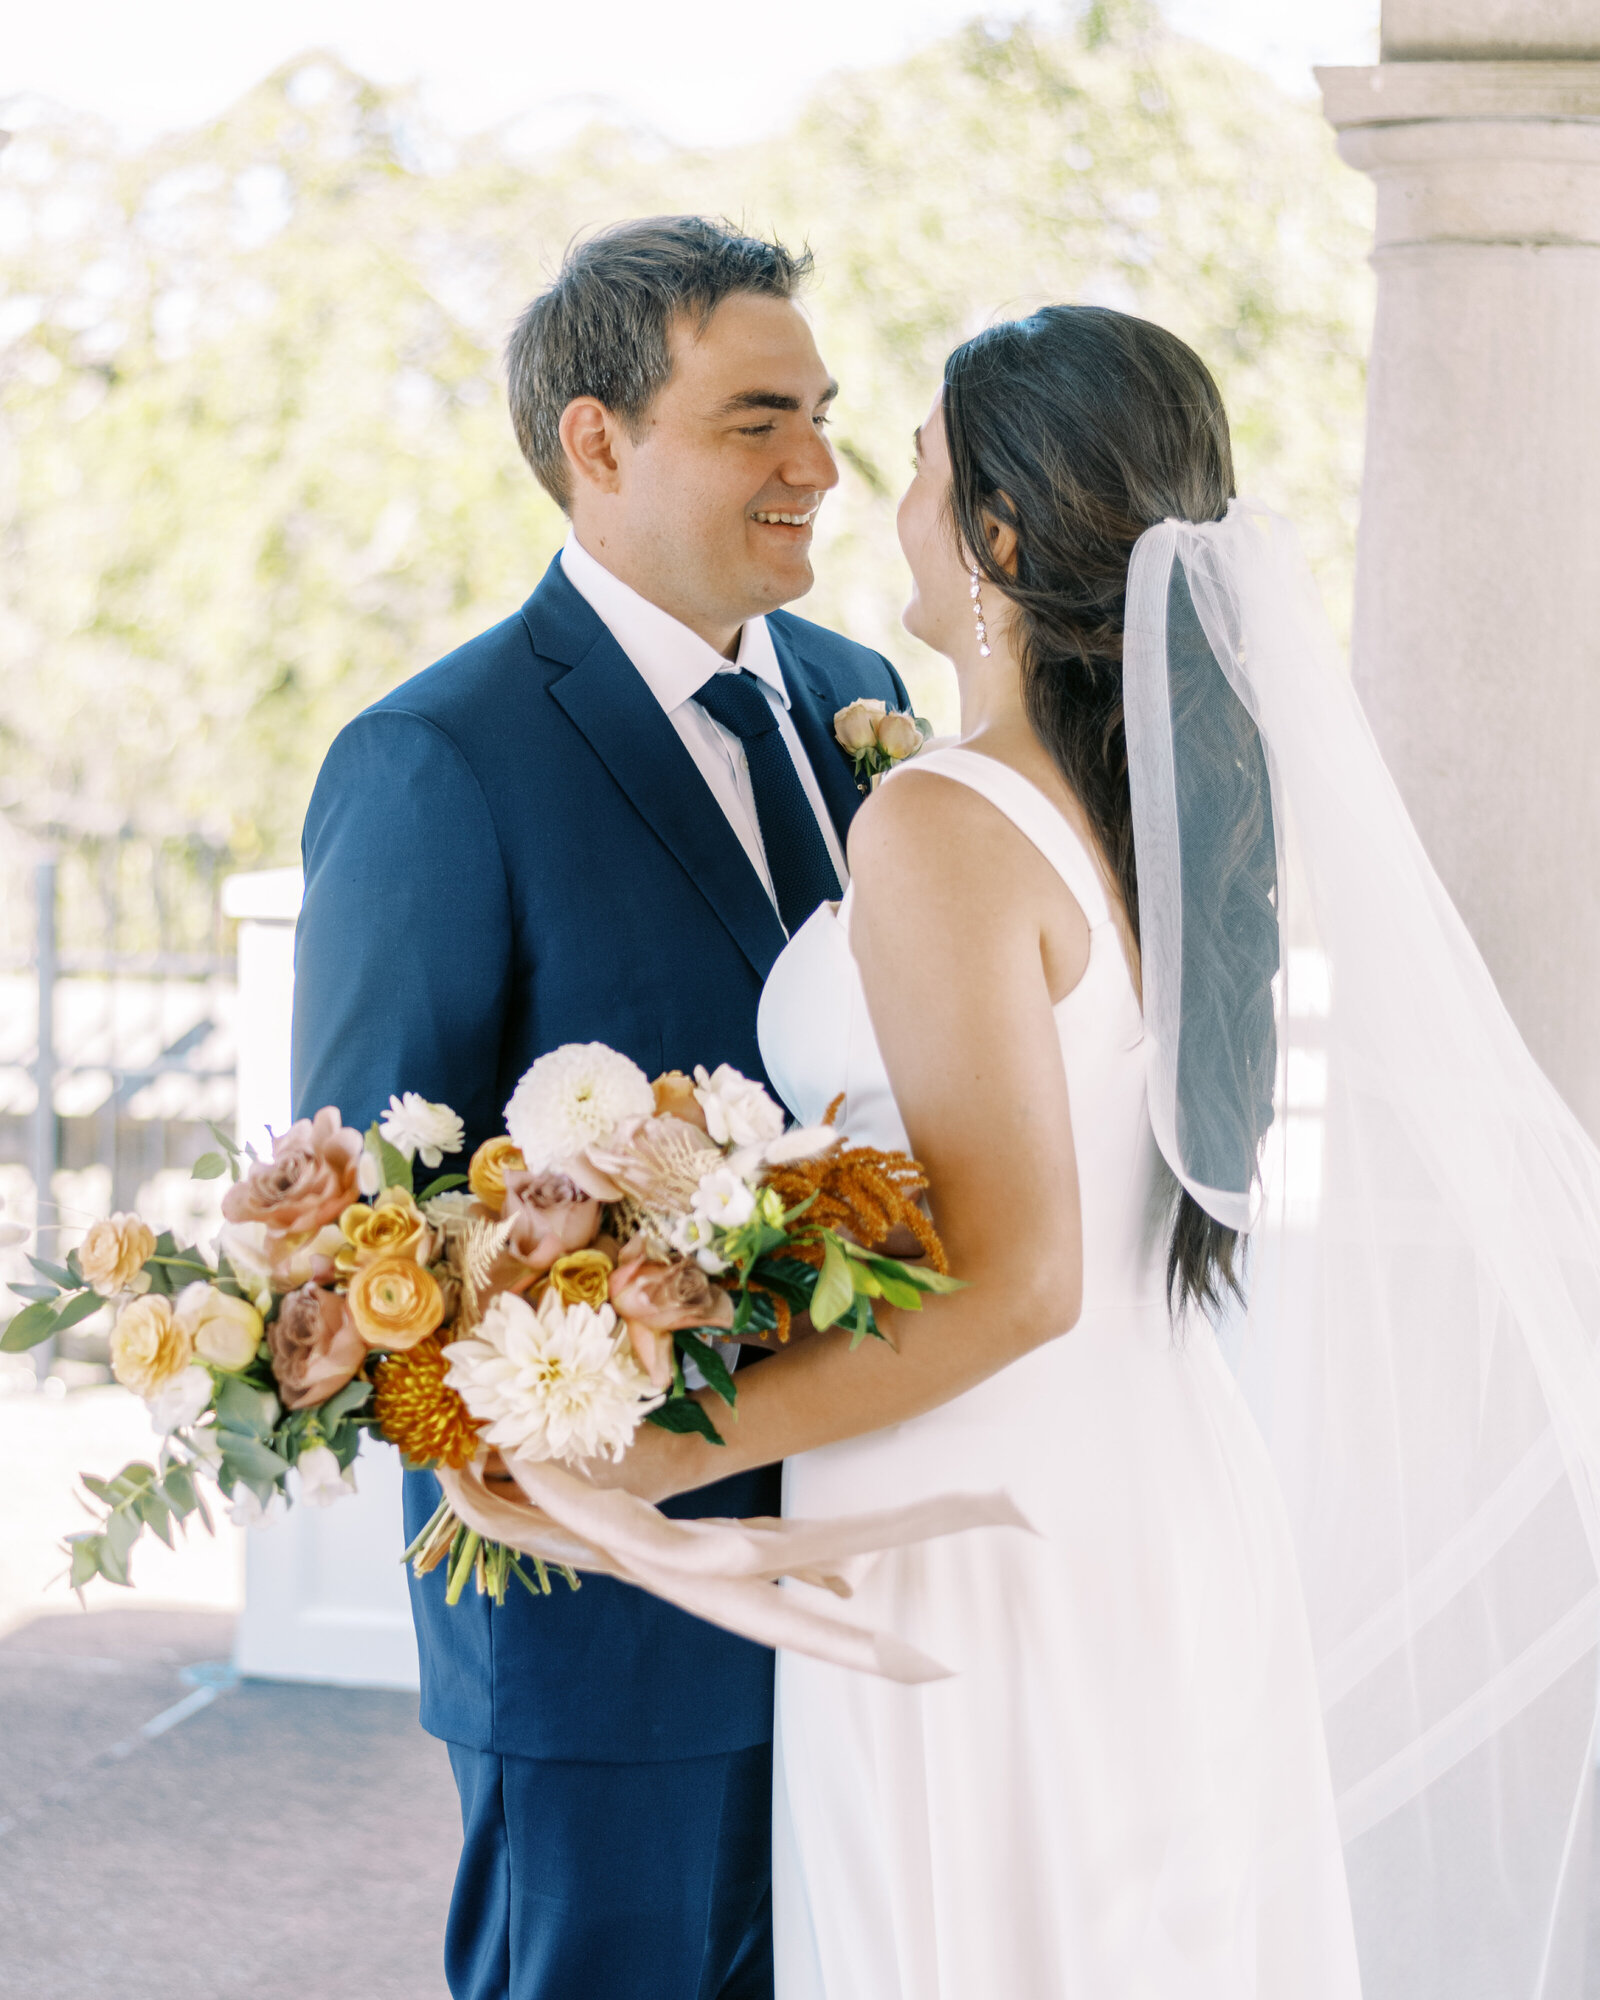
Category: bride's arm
<point>949,933</point>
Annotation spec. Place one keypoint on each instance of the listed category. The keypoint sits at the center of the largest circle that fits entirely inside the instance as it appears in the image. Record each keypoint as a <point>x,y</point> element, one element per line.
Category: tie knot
<point>739,703</point>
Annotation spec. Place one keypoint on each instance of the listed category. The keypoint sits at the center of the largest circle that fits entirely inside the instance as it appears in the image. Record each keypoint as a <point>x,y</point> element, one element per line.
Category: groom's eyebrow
<point>771,399</point>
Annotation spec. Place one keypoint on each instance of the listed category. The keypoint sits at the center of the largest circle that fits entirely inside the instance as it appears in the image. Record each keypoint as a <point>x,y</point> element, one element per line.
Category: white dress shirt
<point>674,664</point>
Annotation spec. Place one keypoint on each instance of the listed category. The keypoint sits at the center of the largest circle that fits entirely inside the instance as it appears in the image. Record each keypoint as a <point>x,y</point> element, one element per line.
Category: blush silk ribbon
<point>727,1572</point>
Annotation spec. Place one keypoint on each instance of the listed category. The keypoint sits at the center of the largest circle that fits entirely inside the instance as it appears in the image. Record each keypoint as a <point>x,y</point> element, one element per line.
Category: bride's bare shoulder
<point>928,831</point>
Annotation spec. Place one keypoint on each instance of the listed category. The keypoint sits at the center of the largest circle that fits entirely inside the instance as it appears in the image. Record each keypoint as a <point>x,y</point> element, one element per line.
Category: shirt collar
<point>673,662</point>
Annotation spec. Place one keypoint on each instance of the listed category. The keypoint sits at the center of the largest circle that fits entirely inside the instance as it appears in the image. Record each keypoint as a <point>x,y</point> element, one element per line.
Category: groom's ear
<point>589,436</point>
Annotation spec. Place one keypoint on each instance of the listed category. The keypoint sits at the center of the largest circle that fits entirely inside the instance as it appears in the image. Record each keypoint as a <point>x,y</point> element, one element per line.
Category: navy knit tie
<point>797,854</point>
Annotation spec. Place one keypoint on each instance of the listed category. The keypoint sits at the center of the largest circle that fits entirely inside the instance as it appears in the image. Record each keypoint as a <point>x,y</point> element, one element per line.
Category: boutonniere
<point>876,737</point>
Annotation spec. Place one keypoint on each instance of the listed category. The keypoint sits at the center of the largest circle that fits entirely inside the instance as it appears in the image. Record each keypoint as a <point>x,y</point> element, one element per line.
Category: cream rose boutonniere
<point>876,737</point>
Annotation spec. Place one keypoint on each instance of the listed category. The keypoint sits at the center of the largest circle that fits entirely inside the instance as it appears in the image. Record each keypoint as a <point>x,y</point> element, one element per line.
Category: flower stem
<point>465,1563</point>
<point>434,1520</point>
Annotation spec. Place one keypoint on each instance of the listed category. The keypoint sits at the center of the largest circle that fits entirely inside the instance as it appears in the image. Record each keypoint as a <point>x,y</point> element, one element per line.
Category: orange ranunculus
<point>395,1302</point>
<point>486,1177</point>
<point>393,1227</point>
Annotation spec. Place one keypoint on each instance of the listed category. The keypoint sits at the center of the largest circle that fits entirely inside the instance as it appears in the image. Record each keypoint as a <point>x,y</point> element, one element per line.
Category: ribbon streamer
<point>727,1572</point>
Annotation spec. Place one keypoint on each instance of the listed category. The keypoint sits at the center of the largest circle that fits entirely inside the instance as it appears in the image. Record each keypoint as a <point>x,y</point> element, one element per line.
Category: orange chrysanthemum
<point>417,1411</point>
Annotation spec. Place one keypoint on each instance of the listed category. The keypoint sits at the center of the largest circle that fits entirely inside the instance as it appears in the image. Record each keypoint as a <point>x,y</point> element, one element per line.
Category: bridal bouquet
<point>593,1265</point>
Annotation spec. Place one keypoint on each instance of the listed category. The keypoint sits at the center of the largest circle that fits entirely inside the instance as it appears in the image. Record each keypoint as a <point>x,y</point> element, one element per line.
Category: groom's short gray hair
<point>601,328</point>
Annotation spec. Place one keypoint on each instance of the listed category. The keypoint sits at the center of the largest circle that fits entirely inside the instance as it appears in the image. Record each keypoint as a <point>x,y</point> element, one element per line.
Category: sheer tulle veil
<point>1423,1272</point>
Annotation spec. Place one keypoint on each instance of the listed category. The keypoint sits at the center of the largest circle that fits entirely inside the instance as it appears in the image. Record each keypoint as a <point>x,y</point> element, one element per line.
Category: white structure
<point>325,1595</point>
<point>1477,626</point>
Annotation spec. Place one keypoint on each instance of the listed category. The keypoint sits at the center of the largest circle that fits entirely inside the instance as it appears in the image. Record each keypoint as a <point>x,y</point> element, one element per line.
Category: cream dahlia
<point>572,1098</point>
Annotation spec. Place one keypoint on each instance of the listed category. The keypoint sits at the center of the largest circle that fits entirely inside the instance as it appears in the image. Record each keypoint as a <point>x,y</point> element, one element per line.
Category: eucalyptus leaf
<point>242,1407</point>
<point>85,1558</point>
<point>98,1487</point>
<point>35,1291</point>
<point>178,1487</point>
<point>122,1530</point>
<point>224,1138</point>
<point>113,1564</point>
<point>56,1272</point>
<point>250,1460</point>
<point>684,1415</point>
<point>155,1514</point>
<point>209,1167</point>
<point>32,1325</point>
<point>835,1286</point>
<point>351,1397</point>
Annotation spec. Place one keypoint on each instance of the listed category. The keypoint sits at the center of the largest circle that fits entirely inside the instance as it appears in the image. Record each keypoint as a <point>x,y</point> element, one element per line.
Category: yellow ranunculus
<point>582,1278</point>
<point>113,1252</point>
<point>393,1227</point>
<point>225,1331</point>
<point>395,1302</point>
<point>486,1177</point>
<point>148,1346</point>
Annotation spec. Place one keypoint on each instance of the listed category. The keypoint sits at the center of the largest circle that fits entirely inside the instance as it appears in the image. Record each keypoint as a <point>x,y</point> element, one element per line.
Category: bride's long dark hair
<point>1081,427</point>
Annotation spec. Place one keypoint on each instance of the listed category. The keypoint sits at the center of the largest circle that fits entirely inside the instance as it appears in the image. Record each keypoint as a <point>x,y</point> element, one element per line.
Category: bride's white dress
<point>1122,1793</point>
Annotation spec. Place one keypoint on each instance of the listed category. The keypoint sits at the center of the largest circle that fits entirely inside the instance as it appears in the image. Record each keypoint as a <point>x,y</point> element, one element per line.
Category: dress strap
<point>1030,811</point>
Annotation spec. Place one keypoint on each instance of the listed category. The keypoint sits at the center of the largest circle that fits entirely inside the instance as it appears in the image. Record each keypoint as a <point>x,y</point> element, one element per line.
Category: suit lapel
<point>812,705</point>
<point>625,726</point>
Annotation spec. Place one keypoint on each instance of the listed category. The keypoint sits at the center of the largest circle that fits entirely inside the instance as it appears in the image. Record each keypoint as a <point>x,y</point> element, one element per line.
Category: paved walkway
<point>261,1842</point>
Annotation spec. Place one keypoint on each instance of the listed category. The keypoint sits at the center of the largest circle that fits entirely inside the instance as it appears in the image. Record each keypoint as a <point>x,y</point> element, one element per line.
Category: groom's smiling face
<point>709,508</point>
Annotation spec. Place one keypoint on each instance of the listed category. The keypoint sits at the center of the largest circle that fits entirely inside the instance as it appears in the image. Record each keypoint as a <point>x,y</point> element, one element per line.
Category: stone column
<point>1477,622</point>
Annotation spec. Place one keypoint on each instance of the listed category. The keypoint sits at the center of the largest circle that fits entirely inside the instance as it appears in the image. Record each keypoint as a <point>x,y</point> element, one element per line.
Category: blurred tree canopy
<point>255,464</point>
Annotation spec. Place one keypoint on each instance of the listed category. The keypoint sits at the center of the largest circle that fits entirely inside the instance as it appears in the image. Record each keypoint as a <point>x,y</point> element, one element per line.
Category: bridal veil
<point>1332,1068</point>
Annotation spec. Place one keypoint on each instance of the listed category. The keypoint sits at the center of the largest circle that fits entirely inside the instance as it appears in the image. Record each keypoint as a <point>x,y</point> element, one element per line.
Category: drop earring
<point>977,612</point>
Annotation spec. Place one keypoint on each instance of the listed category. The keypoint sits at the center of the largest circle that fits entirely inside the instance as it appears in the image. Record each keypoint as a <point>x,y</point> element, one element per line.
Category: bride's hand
<point>648,1469</point>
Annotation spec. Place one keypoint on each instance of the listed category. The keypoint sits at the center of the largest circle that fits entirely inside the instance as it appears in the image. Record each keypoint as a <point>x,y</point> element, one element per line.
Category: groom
<point>597,821</point>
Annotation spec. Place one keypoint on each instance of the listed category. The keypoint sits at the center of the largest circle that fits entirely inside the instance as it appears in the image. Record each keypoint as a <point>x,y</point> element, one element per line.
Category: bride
<point>1150,972</point>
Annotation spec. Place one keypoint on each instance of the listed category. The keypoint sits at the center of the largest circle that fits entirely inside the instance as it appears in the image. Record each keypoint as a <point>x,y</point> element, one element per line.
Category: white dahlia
<point>574,1097</point>
<point>552,1381</point>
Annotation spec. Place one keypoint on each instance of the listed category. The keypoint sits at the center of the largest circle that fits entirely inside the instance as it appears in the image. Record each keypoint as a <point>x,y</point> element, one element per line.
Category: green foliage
<point>255,465</point>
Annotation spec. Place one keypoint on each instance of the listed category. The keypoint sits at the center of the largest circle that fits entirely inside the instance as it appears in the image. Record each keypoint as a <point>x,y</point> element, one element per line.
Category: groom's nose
<point>810,466</point>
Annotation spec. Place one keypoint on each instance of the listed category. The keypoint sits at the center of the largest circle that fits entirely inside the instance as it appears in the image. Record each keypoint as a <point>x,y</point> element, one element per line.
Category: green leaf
<point>442,1185</point>
<point>35,1291</point>
<point>32,1325</point>
<point>351,1397</point>
<point>711,1365</point>
<point>224,1138</point>
<point>835,1286</point>
<point>862,1322</point>
<point>392,1163</point>
<point>122,1530</point>
<point>76,1309</point>
<point>100,1488</point>
<point>888,1285</point>
<point>209,1167</point>
<point>86,1550</point>
<point>178,1487</point>
<point>153,1510</point>
<point>242,1407</point>
<point>683,1414</point>
<point>251,1460</point>
<point>58,1273</point>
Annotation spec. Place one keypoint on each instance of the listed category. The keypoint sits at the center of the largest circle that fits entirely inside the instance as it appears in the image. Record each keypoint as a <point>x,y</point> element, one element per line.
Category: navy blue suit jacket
<point>512,851</point>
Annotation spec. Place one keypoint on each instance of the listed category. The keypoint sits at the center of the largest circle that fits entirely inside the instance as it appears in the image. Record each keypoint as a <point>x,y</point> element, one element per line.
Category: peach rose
<point>486,1177</point>
<point>112,1253</point>
<point>675,1098</point>
<point>655,1301</point>
<point>314,1345</point>
<point>550,1215</point>
<point>310,1180</point>
<point>393,1227</point>
<point>856,725</point>
<point>395,1303</point>
<point>898,735</point>
<point>148,1346</point>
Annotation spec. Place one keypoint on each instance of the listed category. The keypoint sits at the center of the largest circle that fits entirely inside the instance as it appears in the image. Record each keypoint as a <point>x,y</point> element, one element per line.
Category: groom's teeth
<point>788,520</point>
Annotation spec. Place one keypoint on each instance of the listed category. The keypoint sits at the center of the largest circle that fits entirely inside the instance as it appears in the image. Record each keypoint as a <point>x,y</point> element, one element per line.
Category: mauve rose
<point>550,1215</point>
<point>314,1345</point>
<point>310,1180</point>
<point>655,1301</point>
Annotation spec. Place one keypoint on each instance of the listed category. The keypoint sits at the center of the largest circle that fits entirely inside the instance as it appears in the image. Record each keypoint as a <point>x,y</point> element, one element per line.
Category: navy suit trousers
<point>681,1909</point>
